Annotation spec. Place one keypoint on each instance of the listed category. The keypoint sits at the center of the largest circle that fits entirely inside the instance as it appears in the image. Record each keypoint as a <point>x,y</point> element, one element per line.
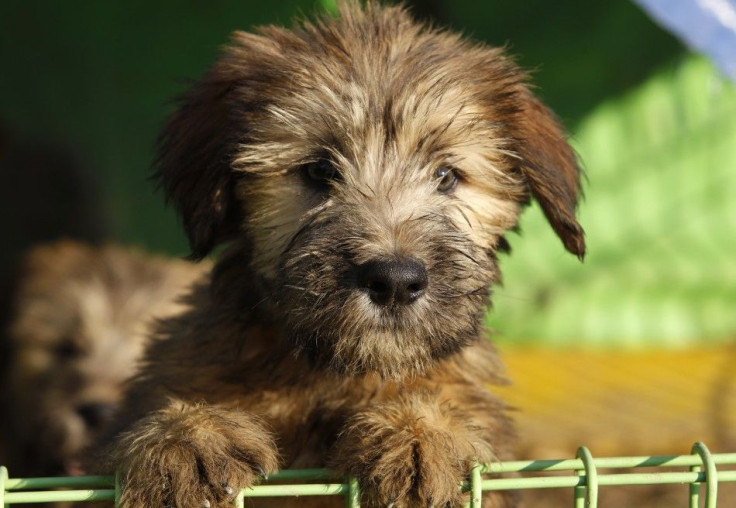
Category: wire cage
<point>701,470</point>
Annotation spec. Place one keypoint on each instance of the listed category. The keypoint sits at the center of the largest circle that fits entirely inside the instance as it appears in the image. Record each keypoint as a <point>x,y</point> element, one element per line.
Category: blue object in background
<point>706,26</point>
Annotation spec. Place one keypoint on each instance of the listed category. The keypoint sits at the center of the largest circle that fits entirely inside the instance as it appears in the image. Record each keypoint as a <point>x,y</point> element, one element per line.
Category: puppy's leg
<point>414,451</point>
<point>188,456</point>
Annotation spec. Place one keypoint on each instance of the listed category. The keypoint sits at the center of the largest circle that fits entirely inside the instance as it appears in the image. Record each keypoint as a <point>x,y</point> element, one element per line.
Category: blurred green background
<point>654,126</point>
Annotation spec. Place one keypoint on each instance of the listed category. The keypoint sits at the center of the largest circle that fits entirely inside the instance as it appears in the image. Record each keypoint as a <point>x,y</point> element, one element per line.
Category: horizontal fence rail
<point>586,474</point>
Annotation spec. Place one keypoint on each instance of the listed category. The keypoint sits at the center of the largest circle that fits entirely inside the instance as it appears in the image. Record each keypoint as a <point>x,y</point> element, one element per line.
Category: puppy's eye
<point>447,177</point>
<point>321,173</point>
<point>67,349</point>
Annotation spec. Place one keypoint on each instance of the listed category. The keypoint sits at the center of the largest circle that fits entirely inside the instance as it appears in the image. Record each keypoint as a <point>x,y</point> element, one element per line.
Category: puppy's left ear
<point>551,170</point>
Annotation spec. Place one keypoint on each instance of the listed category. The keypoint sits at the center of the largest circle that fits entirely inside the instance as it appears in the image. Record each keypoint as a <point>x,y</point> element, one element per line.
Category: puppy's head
<point>369,166</point>
<point>78,326</point>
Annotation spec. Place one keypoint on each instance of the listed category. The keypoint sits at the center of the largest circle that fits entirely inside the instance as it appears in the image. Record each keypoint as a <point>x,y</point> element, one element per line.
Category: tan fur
<point>79,320</point>
<point>286,352</point>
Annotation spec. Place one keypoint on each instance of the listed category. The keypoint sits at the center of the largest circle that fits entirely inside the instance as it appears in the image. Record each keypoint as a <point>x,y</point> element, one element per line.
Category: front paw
<point>193,457</point>
<point>406,456</point>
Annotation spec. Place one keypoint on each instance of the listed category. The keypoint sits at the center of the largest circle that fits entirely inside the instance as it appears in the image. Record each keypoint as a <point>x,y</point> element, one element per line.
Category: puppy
<point>79,319</point>
<point>363,171</point>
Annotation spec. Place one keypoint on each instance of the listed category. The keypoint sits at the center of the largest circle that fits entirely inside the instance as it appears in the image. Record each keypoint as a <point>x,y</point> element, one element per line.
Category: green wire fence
<point>585,477</point>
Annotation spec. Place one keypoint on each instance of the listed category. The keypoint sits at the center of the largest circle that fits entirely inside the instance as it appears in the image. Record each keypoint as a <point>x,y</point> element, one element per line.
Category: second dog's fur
<point>80,316</point>
<point>364,170</point>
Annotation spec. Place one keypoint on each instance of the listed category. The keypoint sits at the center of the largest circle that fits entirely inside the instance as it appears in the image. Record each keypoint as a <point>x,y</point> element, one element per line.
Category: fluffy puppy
<point>79,318</point>
<point>363,171</point>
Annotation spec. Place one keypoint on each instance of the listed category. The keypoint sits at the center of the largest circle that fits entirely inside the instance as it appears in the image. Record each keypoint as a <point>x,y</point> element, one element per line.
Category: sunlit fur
<point>284,342</point>
<point>79,320</point>
<point>387,135</point>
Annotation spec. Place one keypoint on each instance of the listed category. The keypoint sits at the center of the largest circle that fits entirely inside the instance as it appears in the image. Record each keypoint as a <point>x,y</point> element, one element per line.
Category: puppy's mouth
<point>73,467</point>
<point>350,307</point>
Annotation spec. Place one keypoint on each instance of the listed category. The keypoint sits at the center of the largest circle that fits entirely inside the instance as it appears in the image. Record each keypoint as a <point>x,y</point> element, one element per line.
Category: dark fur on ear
<point>195,149</point>
<point>551,170</point>
<point>197,145</point>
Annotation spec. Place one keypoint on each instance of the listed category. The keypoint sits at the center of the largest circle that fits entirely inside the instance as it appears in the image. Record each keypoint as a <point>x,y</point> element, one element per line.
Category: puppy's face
<point>78,327</point>
<point>369,167</point>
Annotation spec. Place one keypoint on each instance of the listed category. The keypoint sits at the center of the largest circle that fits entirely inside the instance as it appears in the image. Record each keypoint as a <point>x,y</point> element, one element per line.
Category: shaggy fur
<point>318,153</point>
<point>78,323</point>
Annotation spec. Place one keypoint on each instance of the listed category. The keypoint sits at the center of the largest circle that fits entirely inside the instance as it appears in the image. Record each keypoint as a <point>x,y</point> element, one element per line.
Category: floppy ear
<point>195,150</point>
<point>551,170</point>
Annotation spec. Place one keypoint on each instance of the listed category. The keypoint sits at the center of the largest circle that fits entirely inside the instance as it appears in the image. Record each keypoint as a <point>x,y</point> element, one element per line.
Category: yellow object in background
<point>622,402</point>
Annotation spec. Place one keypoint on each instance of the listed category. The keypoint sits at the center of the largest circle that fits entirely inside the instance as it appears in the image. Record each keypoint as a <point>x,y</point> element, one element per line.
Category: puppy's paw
<point>192,457</point>
<point>406,456</point>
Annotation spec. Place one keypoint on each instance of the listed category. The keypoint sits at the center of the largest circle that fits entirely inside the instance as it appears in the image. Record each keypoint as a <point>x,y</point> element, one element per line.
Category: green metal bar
<point>240,500</point>
<point>584,476</point>
<point>604,463</point>
<point>59,496</point>
<point>591,475</point>
<point>324,489</point>
<point>711,474</point>
<point>493,468</point>
<point>619,480</point>
<point>694,490</point>
<point>54,482</point>
<point>604,480</point>
<point>305,474</point>
<point>118,490</point>
<point>578,497</point>
<point>3,484</point>
<point>578,492</point>
<point>476,487</point>
<point>353,496</point>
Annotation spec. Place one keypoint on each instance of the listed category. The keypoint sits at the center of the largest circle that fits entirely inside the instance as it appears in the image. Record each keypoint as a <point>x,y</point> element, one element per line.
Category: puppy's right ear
<point>195,151</point>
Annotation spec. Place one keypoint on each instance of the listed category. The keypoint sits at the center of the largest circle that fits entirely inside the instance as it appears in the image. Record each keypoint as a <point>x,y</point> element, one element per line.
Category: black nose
<point>395,282</point>
<point>96,414</point>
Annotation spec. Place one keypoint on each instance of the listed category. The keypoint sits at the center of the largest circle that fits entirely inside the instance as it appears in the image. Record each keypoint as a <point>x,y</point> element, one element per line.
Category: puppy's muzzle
<point>393,282</point>
<point>97,414</point>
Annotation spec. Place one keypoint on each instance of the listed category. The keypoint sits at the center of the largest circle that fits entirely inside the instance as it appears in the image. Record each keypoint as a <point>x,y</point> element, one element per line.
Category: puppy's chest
<point>307,417</point>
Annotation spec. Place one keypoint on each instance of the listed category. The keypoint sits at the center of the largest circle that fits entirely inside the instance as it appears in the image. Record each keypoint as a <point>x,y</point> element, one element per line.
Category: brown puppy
<point>79,318</point>
<point>364,170</point>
